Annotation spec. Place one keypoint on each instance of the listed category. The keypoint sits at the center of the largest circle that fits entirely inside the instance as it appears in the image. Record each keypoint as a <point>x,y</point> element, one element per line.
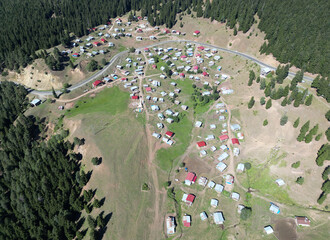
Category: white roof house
<point>218,218</point>
<point>160,125</point>
<point>169,120</point>
<point>274,209</point>
<point>203,153</point>
<point>213,148</point>
<point>268,230</point>
<point>35,102</point>
<point>198,124</point>
<point>223,156</point>
<point>210,137</point>
<point>202,181</point>
<point>211,184</point>
<point>184,107</point>
<point>203,216</point>
<point>170,225</point>
<point>214,202</point>
<point>235,196</point>
<point>213,126</point>
<point>236,151</point>
<point>218,188</point>
<point>156,135</point>
<point>154,108</point>
<point>280,182</point>
<point>221,166</point>
<point>235,127</point>
<point>223,147</point>
<point>240,167</point>
<point>239,208</point>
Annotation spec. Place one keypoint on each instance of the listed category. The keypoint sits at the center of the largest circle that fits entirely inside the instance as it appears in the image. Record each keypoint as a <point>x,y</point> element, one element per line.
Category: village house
<point>201,144</point>
<point>235,127</point>
<point>188,199</point>
<point>218,188</point>
<point>235,141</point>
<point>160,125</point>
<point>196,33</point>
<point>198,124</point>
<point>35,102</point>
<point>303,221</point>
<point>236,151</point>
<point>202,153</point>
<point>223,138</point>
<point>190,178</point>
<point>213,148</point>
<point>203,216</point>
<point>170,225</point>
<point>221,166</point>
<point>202,181</point>
<point>97,83</point>
<point>280,182</point>
<point>218,218</point>
<point>156,135</point>
<point>240,167</point>
<point>229,179</point>
<point>211,184</point>
<point>274,209</point>
<point>214,202</point>
<point>186,220</point>
<point>235,196</point>
<point>268,230</point>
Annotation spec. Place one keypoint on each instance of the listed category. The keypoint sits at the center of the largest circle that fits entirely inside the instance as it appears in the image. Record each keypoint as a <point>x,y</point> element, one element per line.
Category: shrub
<point>145,187</point>
<point>284,120</point>
<point>300,180</point>
<point>265,123</point>
<point>182,164</point>
<point>327,115</point>
<point>167,184</point>
<point>296,164</point>
<point>246,213</point>
<point>262,101</point>
<point>96,160</point>
<point>247,165</point>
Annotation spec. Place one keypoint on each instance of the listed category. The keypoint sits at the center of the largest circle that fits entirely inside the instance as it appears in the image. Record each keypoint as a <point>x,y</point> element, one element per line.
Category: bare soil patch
<point>285,229</point>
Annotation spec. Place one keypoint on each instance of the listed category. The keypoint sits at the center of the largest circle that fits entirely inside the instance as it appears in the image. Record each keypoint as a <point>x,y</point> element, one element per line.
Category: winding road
<point>120,54</point>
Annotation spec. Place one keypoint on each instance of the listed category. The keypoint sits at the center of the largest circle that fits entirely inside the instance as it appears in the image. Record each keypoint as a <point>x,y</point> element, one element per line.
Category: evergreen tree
<point>284,120</point>
<point>269,104</point>
<point>54,93</point>
<point>262,84</point>
<point>284,102</point>
<point>296,123</point>
<point>309,99</point>
<point>251,103</point>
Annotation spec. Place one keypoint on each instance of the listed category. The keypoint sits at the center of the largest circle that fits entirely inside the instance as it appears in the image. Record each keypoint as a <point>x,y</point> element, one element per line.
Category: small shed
<point>203,216</point>
<point>268,230</point>
<point>214,202</point>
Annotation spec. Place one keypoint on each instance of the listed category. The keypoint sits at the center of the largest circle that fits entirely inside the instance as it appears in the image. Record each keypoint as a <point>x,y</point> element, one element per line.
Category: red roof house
<point>135,97</point>
<point>75,55</point>
<point>169,134</point>
<point>303,221</point>
<point>146,49</point>
<point>201,144</point>
<point>97,83</point>
<point>186,220</point>
<point>190,178</point>
<point>182,75</point>
<point>103,40</point>
<point>197,32</point>
<point>195,67</point>
<point>96,44</point>
<point>190,199</point>
<point>183,56</point>
<point>201,48</point>
<point>166,30</point>
<point>148,89</point>
<point>205,74</point>
<point>154,66</point>
<point>223,137</point>
<point>235,141</point>
<point>124,79</point>
<point>198,55</point>
<point>139,30</point>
